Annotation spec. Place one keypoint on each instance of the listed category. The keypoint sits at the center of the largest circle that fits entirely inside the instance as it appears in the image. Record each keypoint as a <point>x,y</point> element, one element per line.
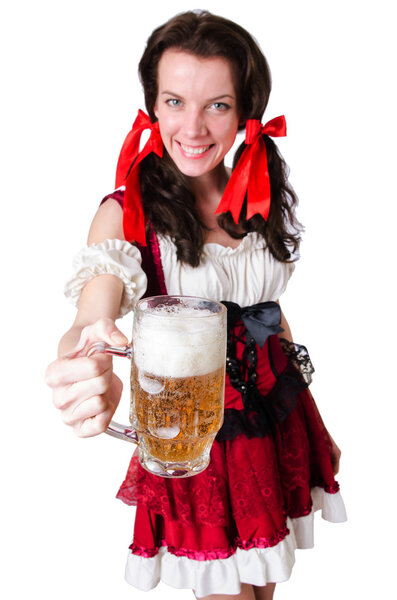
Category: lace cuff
<point>299,356</point>
<point>113,257</point>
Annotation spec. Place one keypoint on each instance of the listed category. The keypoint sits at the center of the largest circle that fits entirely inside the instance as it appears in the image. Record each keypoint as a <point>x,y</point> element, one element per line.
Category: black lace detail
<point>242,373</point>
<point>299,356</point>
<point>261,414</point>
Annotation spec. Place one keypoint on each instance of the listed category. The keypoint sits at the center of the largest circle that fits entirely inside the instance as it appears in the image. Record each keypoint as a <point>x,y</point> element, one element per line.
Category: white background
<point>70,94</point>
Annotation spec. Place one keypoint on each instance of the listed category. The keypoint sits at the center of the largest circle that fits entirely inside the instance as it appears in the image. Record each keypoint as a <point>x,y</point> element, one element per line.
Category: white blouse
<point>247,274</point>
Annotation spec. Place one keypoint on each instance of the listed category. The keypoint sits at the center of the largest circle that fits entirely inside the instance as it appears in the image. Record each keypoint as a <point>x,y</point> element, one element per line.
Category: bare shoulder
<point>107,223</point>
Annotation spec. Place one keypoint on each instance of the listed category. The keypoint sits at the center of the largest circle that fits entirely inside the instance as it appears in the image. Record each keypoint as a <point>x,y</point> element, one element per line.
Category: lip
<point>195,154</point>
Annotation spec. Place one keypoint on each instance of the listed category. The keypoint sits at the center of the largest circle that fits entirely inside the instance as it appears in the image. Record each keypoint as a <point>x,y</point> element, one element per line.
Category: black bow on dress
<point>261,320</point>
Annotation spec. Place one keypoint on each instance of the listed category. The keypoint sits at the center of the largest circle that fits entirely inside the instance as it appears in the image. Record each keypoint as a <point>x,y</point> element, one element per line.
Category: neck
<point>208,189</point>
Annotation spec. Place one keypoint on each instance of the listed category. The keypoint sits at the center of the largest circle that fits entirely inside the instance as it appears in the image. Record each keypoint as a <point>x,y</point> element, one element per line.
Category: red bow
<point>127,174</point>
<point>251,175</point>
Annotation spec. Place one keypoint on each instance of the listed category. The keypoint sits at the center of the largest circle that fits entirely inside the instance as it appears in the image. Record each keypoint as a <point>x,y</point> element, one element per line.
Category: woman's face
<point>197,110</point>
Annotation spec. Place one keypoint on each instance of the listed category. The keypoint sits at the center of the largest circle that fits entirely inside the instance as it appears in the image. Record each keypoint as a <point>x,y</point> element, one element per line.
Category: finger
<point>66,371</point>
<point>94,425</point>
<point>70,396</point>
<point>99,423</point>
<point>88,409</point>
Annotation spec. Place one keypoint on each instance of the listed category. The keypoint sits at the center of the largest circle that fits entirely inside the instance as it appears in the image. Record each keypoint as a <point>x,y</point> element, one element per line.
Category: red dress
<point>243,517</point>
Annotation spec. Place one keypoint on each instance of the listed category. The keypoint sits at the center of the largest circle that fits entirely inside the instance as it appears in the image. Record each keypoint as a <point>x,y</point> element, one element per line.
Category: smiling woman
<point>180,223</point>
<point>197,112</point>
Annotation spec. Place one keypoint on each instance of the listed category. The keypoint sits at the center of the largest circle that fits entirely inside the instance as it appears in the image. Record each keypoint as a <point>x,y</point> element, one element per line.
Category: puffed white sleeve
<point>277,275</point>
<point>114,257</point>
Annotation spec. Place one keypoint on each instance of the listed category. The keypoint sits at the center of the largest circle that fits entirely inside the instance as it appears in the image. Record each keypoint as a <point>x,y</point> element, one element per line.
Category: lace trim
<point>303,512</point>
<point>268,542</point>
<point>261,542</point>
<point>330,489</point>
<point>261,413</point>
<point>246,478</point>
<point>299,355</point>
<point>306,510</point>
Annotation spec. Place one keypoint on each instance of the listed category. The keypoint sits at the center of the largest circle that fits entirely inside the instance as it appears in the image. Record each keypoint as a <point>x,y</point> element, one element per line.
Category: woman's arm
<point>85,390</point>
<point>101,296</point>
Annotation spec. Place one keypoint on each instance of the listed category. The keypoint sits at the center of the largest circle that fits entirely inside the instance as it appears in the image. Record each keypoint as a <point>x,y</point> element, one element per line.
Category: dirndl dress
<point>241,519</point>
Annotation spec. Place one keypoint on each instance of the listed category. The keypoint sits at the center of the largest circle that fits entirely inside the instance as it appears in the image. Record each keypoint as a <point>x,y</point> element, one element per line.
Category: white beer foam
<point>179,346</point>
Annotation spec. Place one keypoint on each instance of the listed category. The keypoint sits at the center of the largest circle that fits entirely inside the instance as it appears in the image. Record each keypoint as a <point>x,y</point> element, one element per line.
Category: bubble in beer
<point>151,385</point>
<point>165,433</point>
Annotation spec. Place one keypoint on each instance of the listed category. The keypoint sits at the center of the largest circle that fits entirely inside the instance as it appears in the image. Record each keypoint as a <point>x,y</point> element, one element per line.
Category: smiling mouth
<point>195,150</point>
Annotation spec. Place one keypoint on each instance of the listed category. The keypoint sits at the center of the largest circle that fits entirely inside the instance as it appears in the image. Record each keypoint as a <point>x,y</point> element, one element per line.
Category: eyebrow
<point>209,100</point>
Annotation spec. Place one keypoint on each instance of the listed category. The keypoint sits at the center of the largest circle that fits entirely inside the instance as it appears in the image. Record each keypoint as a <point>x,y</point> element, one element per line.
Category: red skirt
<point>242,518</point>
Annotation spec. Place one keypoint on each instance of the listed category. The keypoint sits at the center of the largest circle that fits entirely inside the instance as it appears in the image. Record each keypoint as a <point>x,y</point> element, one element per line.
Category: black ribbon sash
<point>261,415</point>
<point>261,320</point>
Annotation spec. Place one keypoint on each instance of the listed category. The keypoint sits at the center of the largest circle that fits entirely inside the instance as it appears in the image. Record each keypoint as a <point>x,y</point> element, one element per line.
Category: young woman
<point>181,223</point>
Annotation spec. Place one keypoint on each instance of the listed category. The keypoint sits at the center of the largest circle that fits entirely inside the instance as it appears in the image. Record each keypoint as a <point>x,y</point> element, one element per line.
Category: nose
<point>194,123</point>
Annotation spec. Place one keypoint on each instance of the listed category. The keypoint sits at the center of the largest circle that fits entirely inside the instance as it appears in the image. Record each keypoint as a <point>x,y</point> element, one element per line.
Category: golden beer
<point>179,423</point>
<point>177,382</point>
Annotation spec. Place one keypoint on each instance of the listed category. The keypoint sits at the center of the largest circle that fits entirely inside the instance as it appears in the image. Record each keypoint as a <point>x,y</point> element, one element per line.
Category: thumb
<point>118,337</point>
<point>103,330</point>
<point>106,330</point>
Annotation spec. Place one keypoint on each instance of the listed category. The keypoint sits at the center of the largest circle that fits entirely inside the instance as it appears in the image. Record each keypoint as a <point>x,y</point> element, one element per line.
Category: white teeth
<point>191,150</point>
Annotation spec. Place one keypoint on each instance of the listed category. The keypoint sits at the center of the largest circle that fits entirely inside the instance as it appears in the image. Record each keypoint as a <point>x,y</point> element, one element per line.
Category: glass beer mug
<point>178,356</point>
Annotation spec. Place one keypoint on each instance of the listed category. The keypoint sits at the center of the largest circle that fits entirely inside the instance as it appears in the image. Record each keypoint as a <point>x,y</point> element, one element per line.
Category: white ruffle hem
<point>257,566</point>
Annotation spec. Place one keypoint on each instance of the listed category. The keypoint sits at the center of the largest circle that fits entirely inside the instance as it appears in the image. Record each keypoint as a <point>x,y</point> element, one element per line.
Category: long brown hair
<point>168,200</point>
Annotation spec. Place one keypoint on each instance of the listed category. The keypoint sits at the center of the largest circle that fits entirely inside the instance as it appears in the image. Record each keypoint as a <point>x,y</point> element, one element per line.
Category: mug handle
<point>117,430</point>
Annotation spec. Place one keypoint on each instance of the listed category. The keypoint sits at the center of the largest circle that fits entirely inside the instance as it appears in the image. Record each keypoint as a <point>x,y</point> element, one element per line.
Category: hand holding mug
<point>85,389</point>
<point>177,382</point>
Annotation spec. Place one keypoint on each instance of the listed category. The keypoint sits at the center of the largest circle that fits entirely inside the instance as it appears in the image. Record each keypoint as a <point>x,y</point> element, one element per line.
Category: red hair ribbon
<point>251,175</point>
<point>127,174</point>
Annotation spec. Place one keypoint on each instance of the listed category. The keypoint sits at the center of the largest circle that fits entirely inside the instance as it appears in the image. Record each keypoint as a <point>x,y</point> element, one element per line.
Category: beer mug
<point>178,356</point>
